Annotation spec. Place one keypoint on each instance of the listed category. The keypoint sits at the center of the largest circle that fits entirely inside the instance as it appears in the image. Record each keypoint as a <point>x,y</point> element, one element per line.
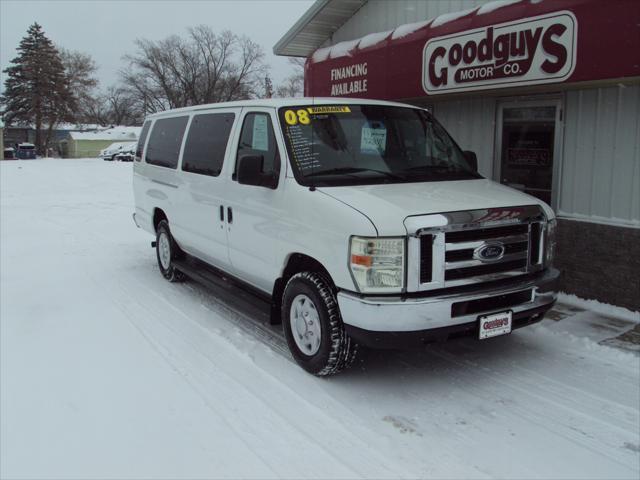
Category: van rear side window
<point>165,142</point>
<point>142,139</point>
<point>206,143</point>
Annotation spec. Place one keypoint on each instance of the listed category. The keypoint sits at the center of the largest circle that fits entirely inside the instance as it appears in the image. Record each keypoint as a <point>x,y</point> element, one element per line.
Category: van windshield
<point>334,145</point>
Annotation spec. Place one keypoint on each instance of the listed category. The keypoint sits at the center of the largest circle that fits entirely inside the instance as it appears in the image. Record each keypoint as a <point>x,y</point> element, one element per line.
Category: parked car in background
<point>127,153</point>
<point>9,153</point>
<point>111,152</point>
<point>26,151</point>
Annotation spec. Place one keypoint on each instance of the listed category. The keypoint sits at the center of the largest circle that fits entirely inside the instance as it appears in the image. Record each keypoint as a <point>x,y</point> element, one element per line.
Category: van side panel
<point>156,185</point>
<point>143,214</point>
<point>204,191</point>
<point>328,222</point>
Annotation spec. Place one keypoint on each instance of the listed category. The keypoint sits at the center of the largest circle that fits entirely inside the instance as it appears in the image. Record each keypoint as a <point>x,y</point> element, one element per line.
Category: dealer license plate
<point>495,324</point>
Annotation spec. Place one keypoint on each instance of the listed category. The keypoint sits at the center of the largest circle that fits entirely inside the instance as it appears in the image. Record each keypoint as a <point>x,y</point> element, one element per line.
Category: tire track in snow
<point>358,465</point>
<point>483,383</point>
<point>168,357</point>
<point>515,365</point>
<point>570,432</point>
<point>626,420</point>
<point>446,461</point>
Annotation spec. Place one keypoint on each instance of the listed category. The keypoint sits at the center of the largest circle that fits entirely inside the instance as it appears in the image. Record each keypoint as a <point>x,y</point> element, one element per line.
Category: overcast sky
<point>106,29</point>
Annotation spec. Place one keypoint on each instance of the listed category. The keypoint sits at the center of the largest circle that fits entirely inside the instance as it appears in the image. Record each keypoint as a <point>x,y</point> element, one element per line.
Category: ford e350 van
<point>362,221</point>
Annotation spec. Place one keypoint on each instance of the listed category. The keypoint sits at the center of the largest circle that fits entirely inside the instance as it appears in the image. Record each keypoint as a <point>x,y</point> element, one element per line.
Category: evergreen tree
<point>37,89</point>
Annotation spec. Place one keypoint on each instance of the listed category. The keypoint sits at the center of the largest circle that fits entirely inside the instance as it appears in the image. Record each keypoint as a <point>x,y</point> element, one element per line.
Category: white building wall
<point>600,178</point>
<point>471,122</point>
<point>600,158</point>
<point>599,162</point>
<point>381,15</point>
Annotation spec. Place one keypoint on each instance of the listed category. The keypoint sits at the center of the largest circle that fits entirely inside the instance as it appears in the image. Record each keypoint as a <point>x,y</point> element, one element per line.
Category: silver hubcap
<point>305,324</point>
<point>164,250</point>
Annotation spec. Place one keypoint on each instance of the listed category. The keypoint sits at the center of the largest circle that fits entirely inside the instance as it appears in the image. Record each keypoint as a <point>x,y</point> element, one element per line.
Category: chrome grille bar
<point>478,243</point>
<point>457,257</point>
<point>474,263</point>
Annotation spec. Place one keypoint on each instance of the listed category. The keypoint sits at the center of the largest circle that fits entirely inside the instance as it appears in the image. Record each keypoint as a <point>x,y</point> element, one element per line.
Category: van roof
<point>281,102</point>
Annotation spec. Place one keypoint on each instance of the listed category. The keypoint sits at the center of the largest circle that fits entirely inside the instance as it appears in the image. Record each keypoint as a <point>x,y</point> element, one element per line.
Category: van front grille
<point>463,264</point>
<point>426,258</point>
<point>457,273</point>
<point>476,255</point>
<point>487,233</point>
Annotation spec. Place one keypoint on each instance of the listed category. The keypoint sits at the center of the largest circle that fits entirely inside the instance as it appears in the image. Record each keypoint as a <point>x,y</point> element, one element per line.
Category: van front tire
<point>313,325</point>
<point>166,252</point>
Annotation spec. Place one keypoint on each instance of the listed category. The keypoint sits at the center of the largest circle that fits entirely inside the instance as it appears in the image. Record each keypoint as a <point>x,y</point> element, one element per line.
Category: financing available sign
<point>527,51</point>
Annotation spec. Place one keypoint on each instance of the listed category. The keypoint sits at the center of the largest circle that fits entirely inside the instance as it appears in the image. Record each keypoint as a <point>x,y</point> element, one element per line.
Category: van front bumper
<point>408,320</point>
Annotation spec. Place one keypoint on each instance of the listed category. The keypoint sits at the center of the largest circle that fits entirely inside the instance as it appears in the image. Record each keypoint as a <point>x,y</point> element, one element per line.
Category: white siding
<point>381,15</point>
<point>471,122</point>
<point>601,164</point>
<point>600,158</point>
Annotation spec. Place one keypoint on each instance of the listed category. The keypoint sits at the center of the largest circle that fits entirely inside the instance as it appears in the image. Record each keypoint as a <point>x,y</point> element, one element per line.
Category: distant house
<point>89,144</point>
<point>13,134</point>
<point>16,134</point>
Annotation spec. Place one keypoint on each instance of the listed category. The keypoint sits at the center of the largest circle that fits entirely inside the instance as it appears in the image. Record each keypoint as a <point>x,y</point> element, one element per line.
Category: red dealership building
<point>547,93</point>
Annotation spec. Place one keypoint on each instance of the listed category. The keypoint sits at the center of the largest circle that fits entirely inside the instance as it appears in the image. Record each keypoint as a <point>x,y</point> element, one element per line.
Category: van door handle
<point>229,215</point>
<point>221,213</point>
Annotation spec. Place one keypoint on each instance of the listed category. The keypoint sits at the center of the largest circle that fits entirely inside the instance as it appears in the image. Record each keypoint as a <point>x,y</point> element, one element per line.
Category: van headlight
<point>550,243</point>
<point>377,264</point>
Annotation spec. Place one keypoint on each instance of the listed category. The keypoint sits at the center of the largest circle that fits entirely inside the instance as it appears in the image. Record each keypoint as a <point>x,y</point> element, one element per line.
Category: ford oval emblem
<point>489,252</point>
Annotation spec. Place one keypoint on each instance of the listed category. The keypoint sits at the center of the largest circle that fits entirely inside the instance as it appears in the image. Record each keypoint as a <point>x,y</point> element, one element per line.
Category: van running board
<point>231,291</point>
<point>251,312</point>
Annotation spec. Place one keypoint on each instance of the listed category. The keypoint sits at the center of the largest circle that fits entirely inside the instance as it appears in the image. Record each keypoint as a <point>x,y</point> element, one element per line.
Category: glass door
<point>528,139</point>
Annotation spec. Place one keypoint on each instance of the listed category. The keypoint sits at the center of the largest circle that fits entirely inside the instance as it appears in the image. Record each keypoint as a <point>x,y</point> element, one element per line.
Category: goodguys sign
<point>534,45</point>
<point>528,51</point>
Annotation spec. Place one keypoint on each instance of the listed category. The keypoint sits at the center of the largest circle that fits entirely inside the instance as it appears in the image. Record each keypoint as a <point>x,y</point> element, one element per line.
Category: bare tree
<point>122,108</point>
<point>203,67</point>
<point>293,85</point>
<point>80,70</point>
<point>115,107</point>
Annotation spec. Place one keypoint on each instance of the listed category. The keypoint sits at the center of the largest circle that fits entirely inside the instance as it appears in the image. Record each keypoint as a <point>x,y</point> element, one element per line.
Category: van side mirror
<point>471,159</point>
<point>250,172</point>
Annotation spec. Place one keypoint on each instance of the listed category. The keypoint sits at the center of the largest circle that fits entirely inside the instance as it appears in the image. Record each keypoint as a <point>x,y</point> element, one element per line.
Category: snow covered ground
<point>109,371</point>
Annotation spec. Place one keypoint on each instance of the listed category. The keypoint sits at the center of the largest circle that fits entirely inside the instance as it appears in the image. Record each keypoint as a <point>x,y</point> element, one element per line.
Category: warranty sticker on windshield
<point>329,109</point>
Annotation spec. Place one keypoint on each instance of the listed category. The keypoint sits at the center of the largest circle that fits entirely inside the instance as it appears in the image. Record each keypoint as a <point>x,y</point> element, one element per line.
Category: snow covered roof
<point>324,17</point>
<point>115,134</point>
<point>346,48</point>
<point>80,126</point>
<point>61,126</point>
<point>315,26</point>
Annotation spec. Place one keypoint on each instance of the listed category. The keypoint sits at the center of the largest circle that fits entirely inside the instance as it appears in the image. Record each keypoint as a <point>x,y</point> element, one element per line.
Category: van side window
<point>257,138</point>
<point>206,143</point>
<point>165,141</point>
<point>142,139</point>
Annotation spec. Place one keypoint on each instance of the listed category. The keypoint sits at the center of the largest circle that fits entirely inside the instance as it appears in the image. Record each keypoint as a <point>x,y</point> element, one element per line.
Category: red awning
<point>497,45</point>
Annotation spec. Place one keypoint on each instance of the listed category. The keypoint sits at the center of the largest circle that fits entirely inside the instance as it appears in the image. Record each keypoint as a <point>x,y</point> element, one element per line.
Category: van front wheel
<point>313,326</point>
<point>166,251</point>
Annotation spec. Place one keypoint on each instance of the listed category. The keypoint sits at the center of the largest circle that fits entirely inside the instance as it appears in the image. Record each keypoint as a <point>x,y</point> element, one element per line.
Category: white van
<point>361,221</point>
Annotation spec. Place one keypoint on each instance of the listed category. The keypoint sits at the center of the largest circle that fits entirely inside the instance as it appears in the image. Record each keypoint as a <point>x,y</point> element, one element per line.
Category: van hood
<point>388,205</point>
